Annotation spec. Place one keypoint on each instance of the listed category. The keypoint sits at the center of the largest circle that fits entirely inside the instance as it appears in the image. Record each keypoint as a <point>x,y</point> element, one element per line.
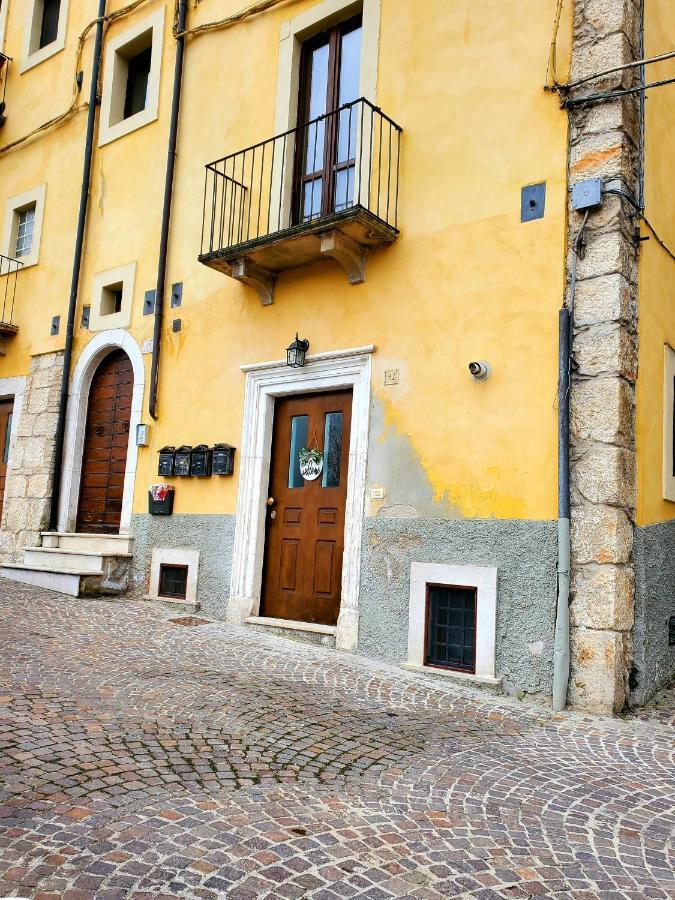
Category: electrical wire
<point>74,107</point>
<point>614,95</point>
<point>551,78</point>
<point>638,63</point>
<point>641,215</point>
<point>658,239</point>
<point>254,9</point>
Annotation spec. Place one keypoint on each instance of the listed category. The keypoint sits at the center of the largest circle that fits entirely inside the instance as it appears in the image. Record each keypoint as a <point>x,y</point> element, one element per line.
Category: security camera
<point>480,369</point>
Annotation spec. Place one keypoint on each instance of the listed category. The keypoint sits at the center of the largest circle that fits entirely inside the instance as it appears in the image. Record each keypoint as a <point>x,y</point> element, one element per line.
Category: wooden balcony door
<point>6,407</point>
<point>325,165</point>
<point>105,446</point>
<point>306,518</point>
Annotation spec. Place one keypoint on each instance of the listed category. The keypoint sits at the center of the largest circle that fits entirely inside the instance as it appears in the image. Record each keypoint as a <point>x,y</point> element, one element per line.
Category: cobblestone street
<point>144,759</point>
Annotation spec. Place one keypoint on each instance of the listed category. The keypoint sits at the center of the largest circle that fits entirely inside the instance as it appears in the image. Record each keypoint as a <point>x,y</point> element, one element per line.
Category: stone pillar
<point>29,476</point>
<point>604,143</point>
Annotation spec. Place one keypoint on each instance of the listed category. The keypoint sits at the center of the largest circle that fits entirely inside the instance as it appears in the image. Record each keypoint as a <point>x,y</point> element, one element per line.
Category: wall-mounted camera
<point>480,369</point>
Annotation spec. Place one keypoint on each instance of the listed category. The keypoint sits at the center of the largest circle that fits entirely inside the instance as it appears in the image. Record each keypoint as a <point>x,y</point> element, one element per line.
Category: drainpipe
<point>77,262</point>
<point>561,640</point>
<point>166,211</point>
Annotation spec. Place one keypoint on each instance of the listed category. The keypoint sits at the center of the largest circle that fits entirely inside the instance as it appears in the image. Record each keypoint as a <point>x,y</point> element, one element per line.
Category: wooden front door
<point>306,518</point>
<point>105,446</point>
<point>6,407</point>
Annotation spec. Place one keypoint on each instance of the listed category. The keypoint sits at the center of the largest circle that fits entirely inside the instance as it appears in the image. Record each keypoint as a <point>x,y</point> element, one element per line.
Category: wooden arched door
<point>105,445</point>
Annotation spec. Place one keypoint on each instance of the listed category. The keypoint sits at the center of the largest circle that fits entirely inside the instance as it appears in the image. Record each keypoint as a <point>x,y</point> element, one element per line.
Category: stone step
<point>105,544</point>
<point>67,560</point>
<point>62,581</point>
<point>307,632</point>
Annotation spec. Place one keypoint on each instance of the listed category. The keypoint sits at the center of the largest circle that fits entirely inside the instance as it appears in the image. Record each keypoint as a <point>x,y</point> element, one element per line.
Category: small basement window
<point>451,627</point>
<point>173,581</point>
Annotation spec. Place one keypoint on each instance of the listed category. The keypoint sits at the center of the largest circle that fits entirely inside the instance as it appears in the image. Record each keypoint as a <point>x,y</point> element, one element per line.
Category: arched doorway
<point>106,442</point>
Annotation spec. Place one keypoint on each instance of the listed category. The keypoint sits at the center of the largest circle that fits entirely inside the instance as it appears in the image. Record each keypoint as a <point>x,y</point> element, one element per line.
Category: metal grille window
<point>24,232</point>
<point>451,627</point>
<point>173,581</point>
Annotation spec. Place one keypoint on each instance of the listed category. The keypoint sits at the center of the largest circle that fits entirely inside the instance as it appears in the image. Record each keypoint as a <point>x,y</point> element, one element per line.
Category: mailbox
<point>200,461</point>
<point>181,464</point>
<point>223,459</point>
<point>166,461</point>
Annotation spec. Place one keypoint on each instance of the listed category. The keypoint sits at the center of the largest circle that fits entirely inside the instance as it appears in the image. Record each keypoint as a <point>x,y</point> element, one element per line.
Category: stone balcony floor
<point>144,759</point>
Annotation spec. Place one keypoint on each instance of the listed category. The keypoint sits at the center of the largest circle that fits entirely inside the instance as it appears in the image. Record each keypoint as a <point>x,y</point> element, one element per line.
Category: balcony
<point>4,74</point>
<point>9,269</point>
<point>326,189</point>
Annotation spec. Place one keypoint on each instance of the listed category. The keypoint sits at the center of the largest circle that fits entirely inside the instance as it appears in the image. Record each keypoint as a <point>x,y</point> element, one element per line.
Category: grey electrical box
<point>56,324</point>
<point>176,294</point>
<point>587,194</point>
<point>86,311</point>
<point>175,325</point>
<point>532,202</point>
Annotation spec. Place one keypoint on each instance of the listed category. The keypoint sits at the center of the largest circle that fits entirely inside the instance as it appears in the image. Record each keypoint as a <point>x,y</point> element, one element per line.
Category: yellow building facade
<point>391,184</point>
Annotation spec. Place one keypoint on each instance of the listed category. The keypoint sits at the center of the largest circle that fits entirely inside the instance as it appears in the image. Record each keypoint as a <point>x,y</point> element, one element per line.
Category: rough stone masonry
<point>604,143</point>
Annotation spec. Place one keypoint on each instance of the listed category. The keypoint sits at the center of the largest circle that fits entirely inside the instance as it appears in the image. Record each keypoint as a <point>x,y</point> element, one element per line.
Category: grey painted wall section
<point>212,535</point>
<point>525,554</point>
<point>653,659</point>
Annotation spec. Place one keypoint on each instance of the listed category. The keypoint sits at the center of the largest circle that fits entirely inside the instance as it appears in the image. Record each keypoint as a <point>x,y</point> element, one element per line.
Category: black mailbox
<point>200,461</point>
<point>223,459</point>
<point>166,461</point>
<point>181,464</point>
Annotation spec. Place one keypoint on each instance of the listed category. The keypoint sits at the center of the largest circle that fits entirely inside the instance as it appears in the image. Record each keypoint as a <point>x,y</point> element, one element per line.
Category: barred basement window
<point>451,627</point>
<point>173,581</point>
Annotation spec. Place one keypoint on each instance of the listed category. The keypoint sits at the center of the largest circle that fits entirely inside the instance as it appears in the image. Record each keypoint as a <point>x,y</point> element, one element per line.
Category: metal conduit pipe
<point>166,210</point>
<point>77,264</point>
<point>561,639</point>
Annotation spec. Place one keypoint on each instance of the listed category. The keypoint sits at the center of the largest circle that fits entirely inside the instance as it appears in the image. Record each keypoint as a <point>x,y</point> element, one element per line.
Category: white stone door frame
<point>264,382</point>
<point>76,419</point>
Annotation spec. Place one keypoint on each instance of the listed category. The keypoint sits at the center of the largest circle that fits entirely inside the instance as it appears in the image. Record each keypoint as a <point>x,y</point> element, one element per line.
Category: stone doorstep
<point>105,544</point>
<point>62,581</point>
<point>173,604</point>
<point>460,678</point>
<point>307,632</point>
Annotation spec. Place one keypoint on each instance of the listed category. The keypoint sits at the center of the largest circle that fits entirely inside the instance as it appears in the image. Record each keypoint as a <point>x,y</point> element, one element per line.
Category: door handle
<point>271,501</point>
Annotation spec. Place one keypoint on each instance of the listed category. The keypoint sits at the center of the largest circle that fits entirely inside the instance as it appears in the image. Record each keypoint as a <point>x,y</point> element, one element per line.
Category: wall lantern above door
<point>296,352</point>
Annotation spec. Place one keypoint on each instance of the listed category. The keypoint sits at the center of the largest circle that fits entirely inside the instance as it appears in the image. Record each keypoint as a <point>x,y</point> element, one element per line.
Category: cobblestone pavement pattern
<point>143,759</point>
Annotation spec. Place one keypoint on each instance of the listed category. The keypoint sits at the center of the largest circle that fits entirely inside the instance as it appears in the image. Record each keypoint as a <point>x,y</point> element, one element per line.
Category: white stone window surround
<point>12,388</point>
<point>264,381</point>
<point>668,401</point>
<point>174,557</point>
<point>484,579</point>
<point>4,6</point>
<point>76,419</point>
<point>32,54</point>
<point>125,276</point>
<point>114,80</point>
<point>13,207</point>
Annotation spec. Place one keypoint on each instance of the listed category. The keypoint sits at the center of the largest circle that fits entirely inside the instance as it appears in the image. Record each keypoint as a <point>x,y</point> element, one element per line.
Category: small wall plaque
<point>391,376</point>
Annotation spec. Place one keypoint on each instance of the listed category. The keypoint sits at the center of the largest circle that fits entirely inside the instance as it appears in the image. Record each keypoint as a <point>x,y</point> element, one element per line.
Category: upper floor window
<point>131,78</point>
<point>330,74</point>
<point>23,226</point>
<point>45,31</point>
<point>24,231</point>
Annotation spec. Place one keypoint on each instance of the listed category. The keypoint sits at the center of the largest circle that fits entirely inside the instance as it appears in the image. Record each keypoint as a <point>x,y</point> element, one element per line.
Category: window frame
<point>103,284</point>
<point>669,423</point>
<point>114,70</point>
<point>13,208</point>
<point>32,54</point>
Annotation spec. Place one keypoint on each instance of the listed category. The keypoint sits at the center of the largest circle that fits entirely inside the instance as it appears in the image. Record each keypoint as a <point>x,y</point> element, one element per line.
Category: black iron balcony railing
<point>9,269</point>
<point>335,167</point>
<point>4,74</point>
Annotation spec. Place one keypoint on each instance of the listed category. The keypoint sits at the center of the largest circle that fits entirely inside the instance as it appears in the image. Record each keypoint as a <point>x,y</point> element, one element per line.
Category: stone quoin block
<point>601,409</point>
<point>606,474</point>
<point>603,299</point>
<point>603,597</point>
<point>605,254</point>
<point>601,534</point>
<point>598,681</point>
<point>598,54</point>
<point>607,349</point>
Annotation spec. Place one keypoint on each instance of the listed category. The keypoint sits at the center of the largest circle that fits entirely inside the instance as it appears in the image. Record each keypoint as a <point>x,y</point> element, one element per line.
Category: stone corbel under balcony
<point>7,331</point>
<point>346,237</point>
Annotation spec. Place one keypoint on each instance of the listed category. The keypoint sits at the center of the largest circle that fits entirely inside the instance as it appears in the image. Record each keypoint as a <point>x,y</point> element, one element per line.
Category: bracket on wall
<point>257,277</point>
<point>350,255</point>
